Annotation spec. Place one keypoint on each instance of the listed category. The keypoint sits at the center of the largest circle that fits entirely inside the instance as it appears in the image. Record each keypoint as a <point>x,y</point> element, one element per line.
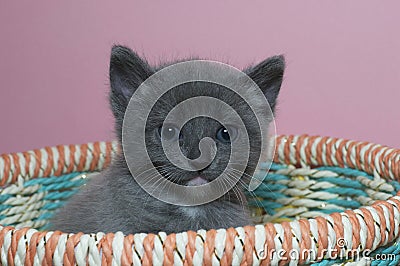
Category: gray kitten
<point>113,200</point>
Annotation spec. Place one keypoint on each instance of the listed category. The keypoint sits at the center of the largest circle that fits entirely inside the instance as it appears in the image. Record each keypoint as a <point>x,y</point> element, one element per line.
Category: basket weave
<point>310,201</point>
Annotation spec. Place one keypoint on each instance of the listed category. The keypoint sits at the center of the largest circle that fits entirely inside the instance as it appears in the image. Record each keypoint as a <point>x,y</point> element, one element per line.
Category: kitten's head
<point>128,71</point>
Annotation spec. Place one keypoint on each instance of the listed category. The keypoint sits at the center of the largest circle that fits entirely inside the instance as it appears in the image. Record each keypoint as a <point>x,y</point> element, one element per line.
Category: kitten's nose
<point>200,163</point>
<point>207,151</point>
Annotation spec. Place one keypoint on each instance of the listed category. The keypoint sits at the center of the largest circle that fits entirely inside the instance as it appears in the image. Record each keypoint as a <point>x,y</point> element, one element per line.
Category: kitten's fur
<point>113,201</point>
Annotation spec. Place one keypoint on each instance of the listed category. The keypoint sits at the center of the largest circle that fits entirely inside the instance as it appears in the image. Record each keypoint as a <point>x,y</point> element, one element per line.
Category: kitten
<point>113,201</point>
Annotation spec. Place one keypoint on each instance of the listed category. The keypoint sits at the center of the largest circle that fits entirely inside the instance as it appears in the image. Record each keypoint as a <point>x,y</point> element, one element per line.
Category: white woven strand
<point>158,250</point>
<point>238,242</point>
<point>94,257</point>
<point>89,156</point>
<point>138,248</point>
<point>58,256</point>
<point>292,150</point>
<point>314,151</point>
<point>352,152</point>
<point>377,225</point>
<point>67,156</point>
<point>117,248</point>
<point>199,244</point>
<point>392,175</point>
<point>56,158</point>
<point>181,245</point>
<point>378,159</point>
<point>386,214</point>
<point>278,239</point>
<point>334,150</point>
<point>103,150</point>
<point>323,155</point>
<point>280,149</point>
<point>259,243</point>
<point>22,164</point>
<point>363,151</point>
<point>363,228</point>
<point>81,250</point>
<point>5,247</point>
<point>40,249</point>
<point>219,247</point>
<point>347,231</point>
<point>396,212</point>
<point>43,161</point>
<point>331,234</point>
<point>77,156</point>
<point>2,166</point>
<point>314,240</point>
<point>296,250</point>
<point>303,153</point>
<point>19,258</point>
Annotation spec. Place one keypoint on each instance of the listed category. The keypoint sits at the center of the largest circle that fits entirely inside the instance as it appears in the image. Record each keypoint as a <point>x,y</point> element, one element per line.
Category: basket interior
<point>37,183</point>
<point>287,193</point>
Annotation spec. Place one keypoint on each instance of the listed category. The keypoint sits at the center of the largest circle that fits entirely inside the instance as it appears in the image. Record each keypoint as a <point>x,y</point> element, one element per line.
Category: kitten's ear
<point>127,72</point>
<point>268,76</point>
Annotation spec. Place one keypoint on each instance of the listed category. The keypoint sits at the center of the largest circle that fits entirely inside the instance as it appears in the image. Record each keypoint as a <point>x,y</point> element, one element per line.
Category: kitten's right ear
<point>268,76</point>
<point>127,72</point>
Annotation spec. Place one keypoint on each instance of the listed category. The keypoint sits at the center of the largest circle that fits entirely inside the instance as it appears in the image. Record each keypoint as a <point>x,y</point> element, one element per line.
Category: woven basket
<point>310,203</point>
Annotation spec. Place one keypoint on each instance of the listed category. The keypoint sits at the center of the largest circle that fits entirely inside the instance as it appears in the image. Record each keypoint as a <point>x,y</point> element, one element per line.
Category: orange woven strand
<point>169,248</point>
<point>190,248</point>
<point>227,259</point>
<point>209,246</point>
<point>60,161</point>
<point>127,253</point>
<point>249,243</point>
<point>6,170</point>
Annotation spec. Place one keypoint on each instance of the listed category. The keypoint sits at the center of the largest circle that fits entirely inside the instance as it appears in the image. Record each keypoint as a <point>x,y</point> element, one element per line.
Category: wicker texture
<point>311,176</point>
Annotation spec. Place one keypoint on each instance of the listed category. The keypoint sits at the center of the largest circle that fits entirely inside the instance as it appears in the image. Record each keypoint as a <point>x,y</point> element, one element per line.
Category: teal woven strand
<point>396,185</point>
<point>345,203</point>
<point>274,166</point>
<point>344,182</point>
<point>270,195</point>
<point>62,185</point>
<point>4,197</point>
<point>51,206</point>
<point>326,262</point>
<point>51,179</point>
<point>4,207</point>
<point>275,177</point>
<point>269,206</point>
<point>344,171</point>
<point>60,195</point>
<point>45,216</point>
<point>269,187</point>
<point>327,211</point>
<point>343,191</point>
<point>393,249</point>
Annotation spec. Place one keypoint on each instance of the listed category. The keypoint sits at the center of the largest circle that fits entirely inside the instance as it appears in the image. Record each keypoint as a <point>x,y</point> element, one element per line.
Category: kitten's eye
<point>226,135</point>
<point>168,132</point>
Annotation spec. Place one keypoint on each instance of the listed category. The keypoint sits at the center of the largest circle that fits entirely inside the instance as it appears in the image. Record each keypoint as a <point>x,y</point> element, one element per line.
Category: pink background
<point>342,76</point>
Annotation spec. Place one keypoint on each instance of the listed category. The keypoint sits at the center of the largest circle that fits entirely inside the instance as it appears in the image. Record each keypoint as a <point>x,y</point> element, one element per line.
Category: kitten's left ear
<point>268,76</point>
<point>127,72</point>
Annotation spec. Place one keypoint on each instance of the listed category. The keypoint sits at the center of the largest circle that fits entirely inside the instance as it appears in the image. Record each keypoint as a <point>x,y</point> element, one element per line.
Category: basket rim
<point>373,225</point>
